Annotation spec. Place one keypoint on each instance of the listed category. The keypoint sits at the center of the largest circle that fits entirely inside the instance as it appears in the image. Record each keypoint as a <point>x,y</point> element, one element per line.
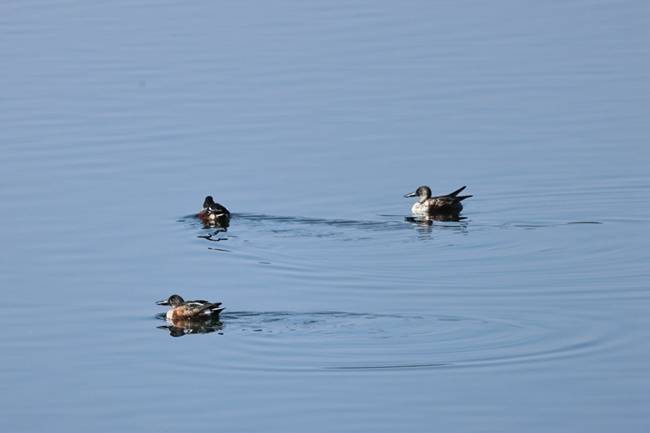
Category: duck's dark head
<point>423,192</point>
<point>173,301</point>
<point>208,202</point>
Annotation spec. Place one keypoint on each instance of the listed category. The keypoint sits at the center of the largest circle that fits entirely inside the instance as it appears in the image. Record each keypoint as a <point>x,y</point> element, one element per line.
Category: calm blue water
<point>310,121</point>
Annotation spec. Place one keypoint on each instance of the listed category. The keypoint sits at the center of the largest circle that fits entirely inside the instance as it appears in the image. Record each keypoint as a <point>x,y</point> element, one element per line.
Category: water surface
<point>310,122</point>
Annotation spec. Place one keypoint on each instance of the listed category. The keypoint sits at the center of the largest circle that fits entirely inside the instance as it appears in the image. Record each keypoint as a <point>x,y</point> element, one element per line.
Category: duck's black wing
<point>218,209</point>
<point>449,203</point>
<point>452,197</point>
<point>200,307</point>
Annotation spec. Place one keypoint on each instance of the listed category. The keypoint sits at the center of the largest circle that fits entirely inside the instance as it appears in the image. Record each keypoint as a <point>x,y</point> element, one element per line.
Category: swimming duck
<point>190,310</point>
<point>213,213</point>
<point>449,204</point>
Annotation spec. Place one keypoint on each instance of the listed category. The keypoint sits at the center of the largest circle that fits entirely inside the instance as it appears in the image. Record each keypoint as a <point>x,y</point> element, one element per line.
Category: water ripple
<point>340,341</point>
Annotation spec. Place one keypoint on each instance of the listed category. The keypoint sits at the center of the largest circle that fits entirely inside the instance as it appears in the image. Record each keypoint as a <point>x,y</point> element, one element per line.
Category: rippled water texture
<point>310,122</point>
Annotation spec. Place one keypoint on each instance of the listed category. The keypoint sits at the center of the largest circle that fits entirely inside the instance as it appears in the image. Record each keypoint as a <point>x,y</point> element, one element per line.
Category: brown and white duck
<point>190,310</point>
<point>214,213</point>
<point>449,204</point>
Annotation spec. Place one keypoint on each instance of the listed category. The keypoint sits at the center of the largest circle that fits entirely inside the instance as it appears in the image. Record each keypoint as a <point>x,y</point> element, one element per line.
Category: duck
<point>190,310</point>
<point>449,204</point>
<point>214,213</point>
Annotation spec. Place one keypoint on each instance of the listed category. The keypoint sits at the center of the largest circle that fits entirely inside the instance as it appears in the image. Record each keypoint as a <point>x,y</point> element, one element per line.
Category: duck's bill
<point>411,194</point>
<point>162,302</point>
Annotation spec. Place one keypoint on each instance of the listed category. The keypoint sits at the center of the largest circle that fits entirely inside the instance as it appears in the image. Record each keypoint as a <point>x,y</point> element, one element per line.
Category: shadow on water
<point>313,227</point>
<point>297,226</point>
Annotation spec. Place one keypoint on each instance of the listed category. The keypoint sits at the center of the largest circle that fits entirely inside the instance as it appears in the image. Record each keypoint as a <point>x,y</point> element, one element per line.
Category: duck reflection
<point>424,224</point>
<point>222,225</point>
<point>428,220</point>
<point>217,235</point>
<point>181,327</point>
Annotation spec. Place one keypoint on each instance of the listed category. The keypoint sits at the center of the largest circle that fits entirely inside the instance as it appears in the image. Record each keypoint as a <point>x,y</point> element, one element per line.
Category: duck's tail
<point>214,308</point>
<point>459,197</point>
<point>455,193</point>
